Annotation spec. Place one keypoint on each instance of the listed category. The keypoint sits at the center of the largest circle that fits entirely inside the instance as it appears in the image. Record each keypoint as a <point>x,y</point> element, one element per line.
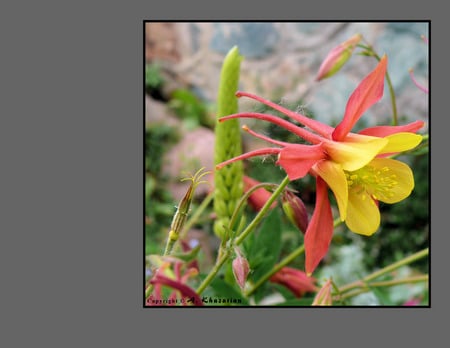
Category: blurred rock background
<point>280,63</point>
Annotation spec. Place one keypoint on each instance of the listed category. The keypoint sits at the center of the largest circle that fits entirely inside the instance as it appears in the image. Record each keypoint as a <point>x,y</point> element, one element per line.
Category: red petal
<point>320,229</point>
<point>321,128</point>
<point>254,153</point>
<point>369,91</point>
<point>186,291</point>
<point>384,131</point>
<point>298,159</point>
<point>301,132</point>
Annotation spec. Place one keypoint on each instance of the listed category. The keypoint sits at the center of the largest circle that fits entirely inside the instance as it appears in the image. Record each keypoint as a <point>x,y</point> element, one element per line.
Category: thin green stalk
<point>393,102</point>
<point>370,51</point>
<point>287,260</point>
<point>366,287</point>
<point>224,255</point>
<point>225,251</point>
<point>284,262</point>
<point>262,212</point>
<point>383,271</point>
<point>244,199</point>
<point>197,214</point>
<point>148,290</point>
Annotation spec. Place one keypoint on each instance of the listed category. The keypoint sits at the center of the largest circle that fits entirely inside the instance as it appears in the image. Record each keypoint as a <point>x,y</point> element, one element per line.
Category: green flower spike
<point>228,182</point>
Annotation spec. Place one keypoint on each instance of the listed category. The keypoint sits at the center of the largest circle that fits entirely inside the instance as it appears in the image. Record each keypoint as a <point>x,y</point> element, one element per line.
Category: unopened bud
<point>240,269</point>
<point>295,280</point>
<point>323,296</point>
<point>259,197</point>
<point>295,210</point>
<point>337,57</point>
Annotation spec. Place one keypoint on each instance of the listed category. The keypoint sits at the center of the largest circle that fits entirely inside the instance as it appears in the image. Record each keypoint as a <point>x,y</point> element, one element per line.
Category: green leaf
<point>153,77</point>
<point>266,246</point>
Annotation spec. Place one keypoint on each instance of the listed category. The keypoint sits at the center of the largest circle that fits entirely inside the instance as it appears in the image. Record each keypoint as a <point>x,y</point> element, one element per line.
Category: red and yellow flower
<point>355,166</point>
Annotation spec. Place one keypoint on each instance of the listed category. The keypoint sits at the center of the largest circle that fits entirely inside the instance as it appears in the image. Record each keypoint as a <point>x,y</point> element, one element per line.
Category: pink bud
<point>240,268</point>
<point>337,57</point>
<point>412,302</point>
<point>295,210</point>
<point>323,296</point>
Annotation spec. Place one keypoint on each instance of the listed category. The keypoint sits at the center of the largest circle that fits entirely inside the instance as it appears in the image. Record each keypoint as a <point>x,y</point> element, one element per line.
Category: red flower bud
<point>259,197</point>
<point>295,210</point>
<point>295,280</point>
<point>337,57</point>
<point>240,269</point>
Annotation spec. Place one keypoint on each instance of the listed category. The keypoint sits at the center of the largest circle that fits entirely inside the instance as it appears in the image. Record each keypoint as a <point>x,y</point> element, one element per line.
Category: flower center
<point>376,182</point>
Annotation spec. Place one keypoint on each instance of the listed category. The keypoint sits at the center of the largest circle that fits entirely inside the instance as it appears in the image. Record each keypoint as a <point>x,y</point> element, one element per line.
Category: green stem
<point>390,268</point>
<point>171,239</point>
<point>244,199</point>
<point>365,288</point>
<point>148,291</point>
<point>287,260</point>
<point>225,252</point>
<point>197,214</point>
<point>393,102</point>
<point>224,255</point>
<point>337,222</point>
<point>262,212</point>
<point>371,52</point>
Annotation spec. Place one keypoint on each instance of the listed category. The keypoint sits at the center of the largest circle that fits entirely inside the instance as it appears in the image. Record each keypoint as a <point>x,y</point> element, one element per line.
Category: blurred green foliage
<point>153,77</point>
<point>188,107</point>
<point>159,203</point>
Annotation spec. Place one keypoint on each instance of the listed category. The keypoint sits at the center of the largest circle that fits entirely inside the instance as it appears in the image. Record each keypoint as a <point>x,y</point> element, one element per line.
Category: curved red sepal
<point>320,229</point>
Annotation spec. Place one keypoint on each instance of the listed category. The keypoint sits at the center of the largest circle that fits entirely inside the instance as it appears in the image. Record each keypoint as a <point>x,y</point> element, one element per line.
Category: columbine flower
<point>354,166</point>
<point>337,57</point>
<point>295,280</point>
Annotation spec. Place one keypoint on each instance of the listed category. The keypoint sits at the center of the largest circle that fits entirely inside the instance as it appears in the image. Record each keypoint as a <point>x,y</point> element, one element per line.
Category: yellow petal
<point>396,175</point>
<point>334,176</point>
<point>355,154</point>
<point>401,142</point>
<point>363,216</point>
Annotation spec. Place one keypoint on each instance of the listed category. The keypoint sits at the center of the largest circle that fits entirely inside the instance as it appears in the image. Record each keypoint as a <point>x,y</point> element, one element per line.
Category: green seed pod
<point>182,212</point>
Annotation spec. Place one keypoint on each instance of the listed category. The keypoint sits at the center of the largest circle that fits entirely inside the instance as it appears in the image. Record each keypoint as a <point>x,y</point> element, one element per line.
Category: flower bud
<point>295,280</point>
<point>323,296</point>
<point>295,210</point>
<point>337,57</point>
<point>240,269</point>
<point>259,197</point>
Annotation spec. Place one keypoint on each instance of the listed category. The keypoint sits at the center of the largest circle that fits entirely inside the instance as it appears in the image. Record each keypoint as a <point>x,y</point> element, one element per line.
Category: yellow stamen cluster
<point>376,182</point>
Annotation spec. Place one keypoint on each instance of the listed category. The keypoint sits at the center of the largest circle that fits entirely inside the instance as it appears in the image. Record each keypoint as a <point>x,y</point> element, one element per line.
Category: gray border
<point>72,182</point>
